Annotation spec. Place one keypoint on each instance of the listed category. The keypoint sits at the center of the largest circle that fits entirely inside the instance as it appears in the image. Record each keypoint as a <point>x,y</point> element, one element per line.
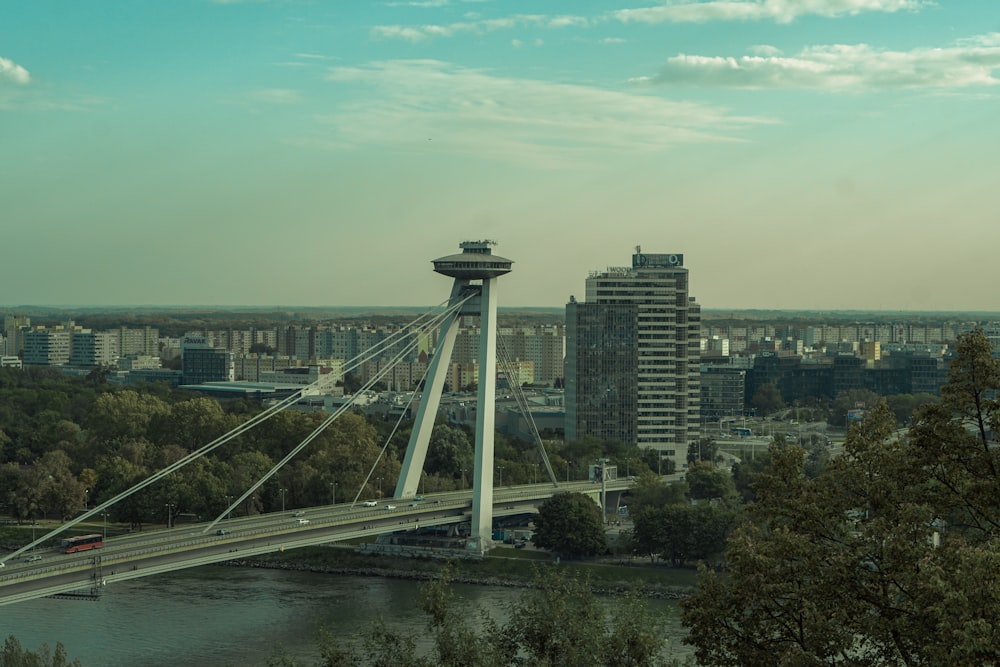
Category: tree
<point>705,482</point>
<point>767,399</point>
<point>571,525</point>
<point>449,451</point>
<point>852,399</point>
<point>560,622</point>
<point>704,449</point>
<point>889,556</point>
<point>13,655</point>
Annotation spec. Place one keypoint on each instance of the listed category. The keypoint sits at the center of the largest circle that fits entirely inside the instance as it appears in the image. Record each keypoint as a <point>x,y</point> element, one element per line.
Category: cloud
<point>11,72</point>
<point>612,40</point>
<point>780,11</point>
<point>764,50</point>
<point>842,67</point>
<point>418,33</point>
<point>406,103</point>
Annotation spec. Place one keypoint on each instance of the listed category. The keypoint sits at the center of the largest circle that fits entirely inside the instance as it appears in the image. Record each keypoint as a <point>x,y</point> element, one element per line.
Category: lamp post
<point>86,499</point>
<point>282,492</point>
<point>500,470</point>
<point>379,487</point>
<point>463,479</point>
<point>333,493</point>
<point>567,471</point>
<point>169,506</point>
<point>105,513</point>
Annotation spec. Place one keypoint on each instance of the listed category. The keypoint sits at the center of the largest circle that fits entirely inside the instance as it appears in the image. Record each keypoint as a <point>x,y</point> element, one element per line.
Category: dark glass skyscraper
<point>632,354</point>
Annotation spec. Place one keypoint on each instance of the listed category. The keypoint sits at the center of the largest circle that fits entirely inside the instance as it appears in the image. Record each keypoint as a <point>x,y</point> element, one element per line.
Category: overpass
<point>154,552</point>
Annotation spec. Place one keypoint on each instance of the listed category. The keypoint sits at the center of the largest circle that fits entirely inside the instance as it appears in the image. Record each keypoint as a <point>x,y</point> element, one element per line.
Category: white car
<point>370,503</point>
<point>390,507</point>
<point>302,522</point>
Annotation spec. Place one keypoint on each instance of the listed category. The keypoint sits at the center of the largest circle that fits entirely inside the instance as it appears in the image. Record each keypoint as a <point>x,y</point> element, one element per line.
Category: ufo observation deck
<point>475,262</point>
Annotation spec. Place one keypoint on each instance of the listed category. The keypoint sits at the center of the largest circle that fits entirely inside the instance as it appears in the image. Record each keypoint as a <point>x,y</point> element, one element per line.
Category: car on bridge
<point>390,507</point>
<point>222,531</point>
<point>299,513</point>
<point>303,522</point>
<point>370,503</point>
<point>34,558</point>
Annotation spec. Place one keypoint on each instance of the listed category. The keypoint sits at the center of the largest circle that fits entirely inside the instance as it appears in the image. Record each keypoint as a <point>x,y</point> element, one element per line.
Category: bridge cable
<point>510,370</point>
<point>410,346</point>
<point>218,442</point>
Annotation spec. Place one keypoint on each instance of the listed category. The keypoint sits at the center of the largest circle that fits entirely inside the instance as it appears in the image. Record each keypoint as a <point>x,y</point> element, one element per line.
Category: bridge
<point>475,272</point>
<point>153,552</point>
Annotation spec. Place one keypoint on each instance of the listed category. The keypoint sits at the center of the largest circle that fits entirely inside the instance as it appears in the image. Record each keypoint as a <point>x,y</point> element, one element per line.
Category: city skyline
<point>823,155</point>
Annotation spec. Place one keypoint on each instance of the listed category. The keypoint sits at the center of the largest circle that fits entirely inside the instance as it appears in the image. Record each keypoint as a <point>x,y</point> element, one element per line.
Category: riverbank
<point>513,570</point>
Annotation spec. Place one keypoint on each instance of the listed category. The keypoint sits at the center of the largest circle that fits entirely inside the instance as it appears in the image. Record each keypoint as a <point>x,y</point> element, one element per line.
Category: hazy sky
<point>822,154</point>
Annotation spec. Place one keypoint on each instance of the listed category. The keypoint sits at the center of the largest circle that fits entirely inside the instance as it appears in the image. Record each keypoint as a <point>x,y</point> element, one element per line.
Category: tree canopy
<point>889,556</point>
<point>571,525</point>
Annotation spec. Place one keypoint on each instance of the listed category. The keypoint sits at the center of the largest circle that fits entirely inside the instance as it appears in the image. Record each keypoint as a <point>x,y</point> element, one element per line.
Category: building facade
<point>632,357</point>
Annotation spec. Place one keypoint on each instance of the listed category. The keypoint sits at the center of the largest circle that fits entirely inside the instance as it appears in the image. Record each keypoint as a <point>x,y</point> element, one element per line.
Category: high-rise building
<point>632,357</point>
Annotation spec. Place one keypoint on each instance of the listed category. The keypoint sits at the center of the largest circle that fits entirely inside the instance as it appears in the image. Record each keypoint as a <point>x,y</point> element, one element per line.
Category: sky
<point>800,154</point>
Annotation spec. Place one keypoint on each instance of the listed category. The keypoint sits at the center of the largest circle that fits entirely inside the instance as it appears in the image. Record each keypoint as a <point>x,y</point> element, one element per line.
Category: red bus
<point>81,543</point>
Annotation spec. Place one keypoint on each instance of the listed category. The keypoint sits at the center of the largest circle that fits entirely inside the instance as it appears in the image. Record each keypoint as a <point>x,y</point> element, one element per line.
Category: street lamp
<point>500,469</point>
<point>333,493</point>
<point>567,471</point>
<point>168,506</point>
<point>282,492</point>
<point>105,513</point>
<point>86,499</point>
<point>463,479</point>
<point>379,487</point>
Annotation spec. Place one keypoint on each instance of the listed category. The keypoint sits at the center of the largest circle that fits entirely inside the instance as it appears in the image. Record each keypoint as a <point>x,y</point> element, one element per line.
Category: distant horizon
<point>374,309</point>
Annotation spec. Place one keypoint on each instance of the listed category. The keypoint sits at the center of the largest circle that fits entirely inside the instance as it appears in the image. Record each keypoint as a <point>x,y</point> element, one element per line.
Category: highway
<point>152,552</point>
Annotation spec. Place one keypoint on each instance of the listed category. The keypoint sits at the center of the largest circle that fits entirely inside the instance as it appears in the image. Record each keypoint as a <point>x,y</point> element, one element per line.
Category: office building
<point>632,357</point>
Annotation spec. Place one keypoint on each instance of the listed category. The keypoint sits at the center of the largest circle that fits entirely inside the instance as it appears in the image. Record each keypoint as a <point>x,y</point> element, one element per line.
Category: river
<point>216,615</point>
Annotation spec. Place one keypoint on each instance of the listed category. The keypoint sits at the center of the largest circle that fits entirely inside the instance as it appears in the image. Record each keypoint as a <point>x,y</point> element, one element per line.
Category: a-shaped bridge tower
<point>476,262</point>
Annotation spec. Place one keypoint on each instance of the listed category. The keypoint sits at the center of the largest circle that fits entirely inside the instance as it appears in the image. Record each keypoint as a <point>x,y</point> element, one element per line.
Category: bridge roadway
<point>151,552</point>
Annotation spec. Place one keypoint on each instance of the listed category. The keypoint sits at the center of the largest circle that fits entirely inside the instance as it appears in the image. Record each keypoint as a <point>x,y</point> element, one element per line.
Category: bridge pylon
<point>475,271</point>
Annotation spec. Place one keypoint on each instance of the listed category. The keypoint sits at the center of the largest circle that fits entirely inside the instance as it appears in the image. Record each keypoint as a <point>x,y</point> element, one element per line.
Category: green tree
<point>887,557</point>
<point>706,482</point>
<point>651,490</point>
<point>12,654</point>
<point>704,449</point>
<point>767,399</point>
<point>571,525</point>
<point>449,451</point>
<point>852,399</point>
